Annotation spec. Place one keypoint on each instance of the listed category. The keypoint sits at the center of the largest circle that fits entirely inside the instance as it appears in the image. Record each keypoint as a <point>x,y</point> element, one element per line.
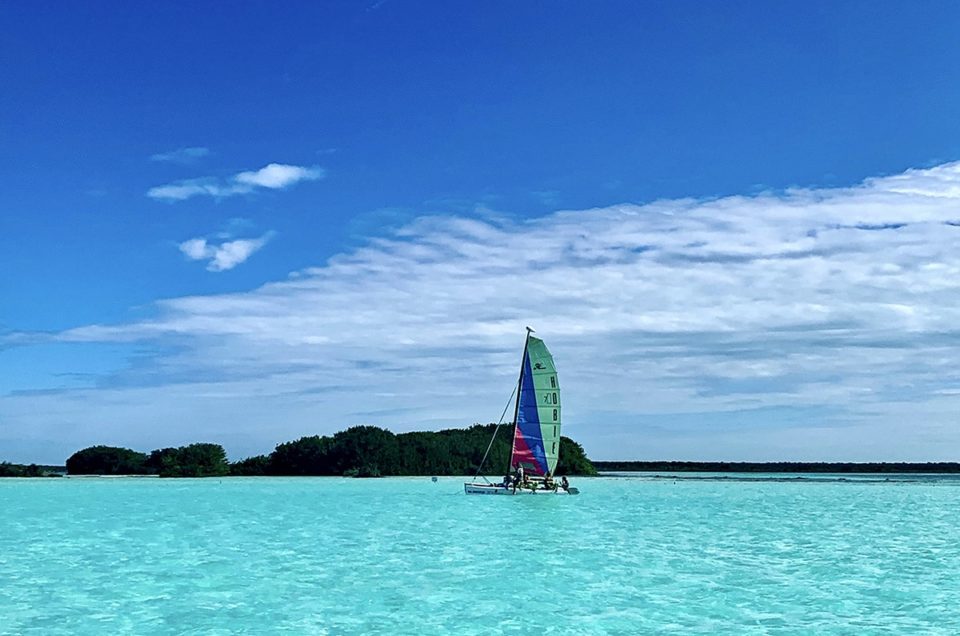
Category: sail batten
<point>536,440</point>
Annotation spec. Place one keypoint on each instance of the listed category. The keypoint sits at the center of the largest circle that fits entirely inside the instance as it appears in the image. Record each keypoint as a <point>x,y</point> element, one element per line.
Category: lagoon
<point>632,554</point>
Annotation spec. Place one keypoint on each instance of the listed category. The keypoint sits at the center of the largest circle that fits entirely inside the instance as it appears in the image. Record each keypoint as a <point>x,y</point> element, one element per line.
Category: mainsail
<point>536,439</point>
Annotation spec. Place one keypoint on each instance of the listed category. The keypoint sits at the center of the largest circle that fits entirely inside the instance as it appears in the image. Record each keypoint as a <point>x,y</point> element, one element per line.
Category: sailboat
<point>536,428</point>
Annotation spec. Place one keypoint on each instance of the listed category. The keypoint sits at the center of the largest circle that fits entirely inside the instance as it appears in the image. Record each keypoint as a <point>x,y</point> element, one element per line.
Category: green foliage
<point>573,461</point>
<point>368,451</point>
<point>305,456</point>
<point>360,451</point>
<point>251,467</point>
<point>365,451</point>
<point>33,470</point>
<point>107,460</point>
<point>195,460</point>
<point>426,454</point>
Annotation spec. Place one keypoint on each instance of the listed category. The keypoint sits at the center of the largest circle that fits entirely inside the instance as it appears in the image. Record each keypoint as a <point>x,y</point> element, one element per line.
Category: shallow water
<point>410,556</point>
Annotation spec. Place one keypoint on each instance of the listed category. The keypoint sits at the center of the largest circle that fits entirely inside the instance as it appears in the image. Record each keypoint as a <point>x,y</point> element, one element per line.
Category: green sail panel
<point>546,386</point>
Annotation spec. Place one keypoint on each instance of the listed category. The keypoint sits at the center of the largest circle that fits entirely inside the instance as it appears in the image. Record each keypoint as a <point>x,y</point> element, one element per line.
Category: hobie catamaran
<point>536,432</point>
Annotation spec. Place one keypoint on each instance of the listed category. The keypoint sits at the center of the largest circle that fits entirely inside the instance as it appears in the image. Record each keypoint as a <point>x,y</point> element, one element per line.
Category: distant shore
<point>20,470</point>
<point>777,467</point>
<point>30,470</point>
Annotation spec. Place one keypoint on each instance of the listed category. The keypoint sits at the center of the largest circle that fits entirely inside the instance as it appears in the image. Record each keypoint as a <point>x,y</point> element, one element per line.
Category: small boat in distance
<point>536,432</point>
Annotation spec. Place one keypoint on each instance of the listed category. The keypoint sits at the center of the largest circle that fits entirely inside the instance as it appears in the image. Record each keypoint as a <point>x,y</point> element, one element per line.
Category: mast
<point>516,407</point>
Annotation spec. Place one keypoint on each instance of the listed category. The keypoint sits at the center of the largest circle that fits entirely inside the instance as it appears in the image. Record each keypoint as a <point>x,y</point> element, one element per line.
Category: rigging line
<point>495,431</point>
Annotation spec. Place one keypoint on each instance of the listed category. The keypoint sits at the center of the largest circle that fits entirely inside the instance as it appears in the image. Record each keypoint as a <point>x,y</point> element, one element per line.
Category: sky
<point>736,225</point>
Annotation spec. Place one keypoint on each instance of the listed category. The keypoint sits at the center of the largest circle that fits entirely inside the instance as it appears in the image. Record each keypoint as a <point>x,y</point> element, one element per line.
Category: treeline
<point>779,467</point>
<point>361,451</point>
<point>195,460</point>
<point>31,470</point>
<point>369,451</point>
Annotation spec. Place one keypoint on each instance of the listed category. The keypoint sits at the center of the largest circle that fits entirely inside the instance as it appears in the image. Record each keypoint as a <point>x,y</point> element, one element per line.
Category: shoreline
<point>780,467</point>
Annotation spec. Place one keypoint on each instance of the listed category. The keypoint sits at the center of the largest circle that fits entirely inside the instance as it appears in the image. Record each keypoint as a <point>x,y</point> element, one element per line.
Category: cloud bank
<point>274,176</point>
<point>817,324</point>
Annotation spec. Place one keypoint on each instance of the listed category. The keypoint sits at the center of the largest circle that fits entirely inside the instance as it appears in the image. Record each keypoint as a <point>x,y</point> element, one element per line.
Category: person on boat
<point>564,483</point>
<point>517,477</point>
<point>548,481</point>
<point>507,480</point>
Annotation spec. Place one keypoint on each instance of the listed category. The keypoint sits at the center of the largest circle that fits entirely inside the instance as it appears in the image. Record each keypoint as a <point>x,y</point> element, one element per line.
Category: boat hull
<point>496,489</point>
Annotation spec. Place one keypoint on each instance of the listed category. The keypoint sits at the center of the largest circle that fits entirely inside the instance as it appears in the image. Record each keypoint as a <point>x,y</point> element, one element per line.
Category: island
<point>30,470</point>
<point>360,451</point>
<point>776,467</point>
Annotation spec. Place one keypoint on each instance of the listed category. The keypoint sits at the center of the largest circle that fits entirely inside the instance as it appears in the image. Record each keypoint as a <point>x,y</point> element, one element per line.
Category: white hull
<point>496,489</point>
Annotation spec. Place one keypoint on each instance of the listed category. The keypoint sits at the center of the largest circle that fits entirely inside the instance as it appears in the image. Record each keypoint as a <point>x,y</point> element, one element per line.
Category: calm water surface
<point>409,556</point>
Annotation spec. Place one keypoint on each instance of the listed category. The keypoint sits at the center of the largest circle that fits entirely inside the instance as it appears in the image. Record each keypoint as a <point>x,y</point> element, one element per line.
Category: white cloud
<point>196,249</point>
<point>817,324</point>
<point>277,175</point>
<point>274,176</point>
<point>181,155</point>
<point>188,188</point>
<point>225,255</point>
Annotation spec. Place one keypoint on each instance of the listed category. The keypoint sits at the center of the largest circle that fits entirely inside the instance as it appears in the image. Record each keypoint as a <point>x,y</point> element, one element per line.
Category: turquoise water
<point>409,556</point>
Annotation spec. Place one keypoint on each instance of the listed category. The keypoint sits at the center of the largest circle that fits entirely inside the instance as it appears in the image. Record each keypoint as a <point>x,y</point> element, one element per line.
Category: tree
<point>195,460</point>
<point>573,461</point>
<point>365,451</point>
<point>164,461</point>
<point>305,456</point>
<point>107,460</point>
<point>425,454</point>
<point>11,470</point>
<point>251,467</point>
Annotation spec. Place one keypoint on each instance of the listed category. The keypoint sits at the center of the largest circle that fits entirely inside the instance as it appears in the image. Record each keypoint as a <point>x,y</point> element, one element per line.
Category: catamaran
<point>536,428</point>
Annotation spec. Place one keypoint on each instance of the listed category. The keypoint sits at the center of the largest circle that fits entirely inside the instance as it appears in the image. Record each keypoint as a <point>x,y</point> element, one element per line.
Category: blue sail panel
<point>528,447</point>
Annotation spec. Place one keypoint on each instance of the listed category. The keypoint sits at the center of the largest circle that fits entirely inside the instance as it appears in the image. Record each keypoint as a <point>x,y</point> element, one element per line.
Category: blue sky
<point>734,223</point>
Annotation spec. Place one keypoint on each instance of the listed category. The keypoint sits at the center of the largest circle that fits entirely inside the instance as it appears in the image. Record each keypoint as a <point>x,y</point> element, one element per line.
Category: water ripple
<point>409,556</point>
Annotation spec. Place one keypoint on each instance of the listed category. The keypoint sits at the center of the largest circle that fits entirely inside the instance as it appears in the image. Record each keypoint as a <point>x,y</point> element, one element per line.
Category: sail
<point>536,438</point>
